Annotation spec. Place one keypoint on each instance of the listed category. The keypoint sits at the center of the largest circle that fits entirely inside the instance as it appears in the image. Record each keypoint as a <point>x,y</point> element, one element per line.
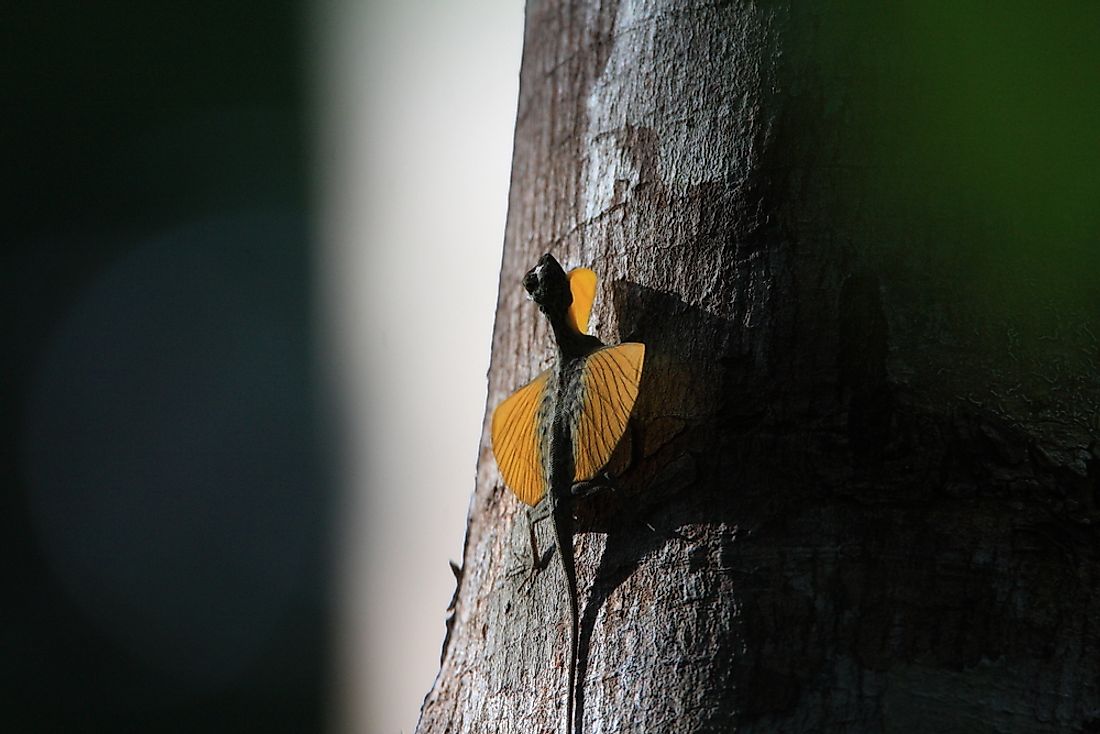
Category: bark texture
<point>860,488</point>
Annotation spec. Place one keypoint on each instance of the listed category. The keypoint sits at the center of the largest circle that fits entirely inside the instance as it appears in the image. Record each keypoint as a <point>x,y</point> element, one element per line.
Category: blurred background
<point>417,107</point>
<point>250,265</point>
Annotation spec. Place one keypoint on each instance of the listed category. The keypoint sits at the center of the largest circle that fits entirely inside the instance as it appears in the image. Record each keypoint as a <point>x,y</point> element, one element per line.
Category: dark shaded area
<point>162,518</point>
<point>978,135</point>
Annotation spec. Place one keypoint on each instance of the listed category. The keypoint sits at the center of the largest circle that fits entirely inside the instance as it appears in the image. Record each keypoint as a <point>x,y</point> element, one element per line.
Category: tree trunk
<point>863,464</point>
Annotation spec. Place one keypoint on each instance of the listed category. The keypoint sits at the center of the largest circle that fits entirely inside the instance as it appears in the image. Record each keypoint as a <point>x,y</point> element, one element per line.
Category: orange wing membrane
<point>517,443</point>
<point>611,377</point>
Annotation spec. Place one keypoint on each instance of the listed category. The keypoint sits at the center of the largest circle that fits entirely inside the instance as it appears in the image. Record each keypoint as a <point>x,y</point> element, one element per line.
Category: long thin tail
<point>563,528</point>
<point>571,698</point>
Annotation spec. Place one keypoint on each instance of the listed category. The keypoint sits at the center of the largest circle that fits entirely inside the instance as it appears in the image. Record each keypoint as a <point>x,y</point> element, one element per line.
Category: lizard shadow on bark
<point>720,468</point>
<point>692,357</point>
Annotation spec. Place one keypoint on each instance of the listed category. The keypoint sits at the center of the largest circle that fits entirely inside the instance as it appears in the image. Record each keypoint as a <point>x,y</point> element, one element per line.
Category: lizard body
<point>560,429</point>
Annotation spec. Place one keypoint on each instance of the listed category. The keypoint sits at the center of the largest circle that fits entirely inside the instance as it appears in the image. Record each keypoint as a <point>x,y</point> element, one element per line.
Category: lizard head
<point>548,286</point>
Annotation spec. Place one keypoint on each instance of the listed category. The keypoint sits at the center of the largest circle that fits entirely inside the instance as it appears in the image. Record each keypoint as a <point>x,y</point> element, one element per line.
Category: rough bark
<point>861,489</point>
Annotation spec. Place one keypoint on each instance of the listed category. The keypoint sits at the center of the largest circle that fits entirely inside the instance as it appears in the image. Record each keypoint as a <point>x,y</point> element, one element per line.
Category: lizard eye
<point>531,281</point>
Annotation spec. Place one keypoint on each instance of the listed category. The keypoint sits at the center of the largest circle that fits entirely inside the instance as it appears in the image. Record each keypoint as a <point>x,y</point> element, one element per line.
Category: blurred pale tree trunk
<point>861,246</point>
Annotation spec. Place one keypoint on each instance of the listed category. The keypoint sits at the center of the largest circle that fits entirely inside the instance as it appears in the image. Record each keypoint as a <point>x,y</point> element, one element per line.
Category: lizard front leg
<point>603,480</point>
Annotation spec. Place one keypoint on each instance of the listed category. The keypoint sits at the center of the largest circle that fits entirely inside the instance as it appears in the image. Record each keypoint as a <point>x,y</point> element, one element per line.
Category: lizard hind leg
<point>539,562</point>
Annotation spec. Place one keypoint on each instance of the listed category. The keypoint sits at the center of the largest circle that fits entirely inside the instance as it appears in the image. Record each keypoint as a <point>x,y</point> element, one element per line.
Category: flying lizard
<point>553,436</point>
